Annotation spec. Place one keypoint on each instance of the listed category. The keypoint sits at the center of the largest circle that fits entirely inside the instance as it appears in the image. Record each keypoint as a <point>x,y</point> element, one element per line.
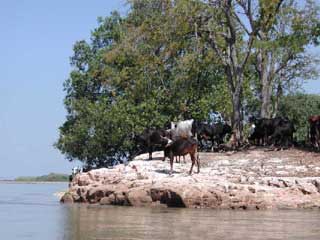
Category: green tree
<point>281,57</point>
<point>166,60</point>
<point>299,107</point>
<point>137,72</point>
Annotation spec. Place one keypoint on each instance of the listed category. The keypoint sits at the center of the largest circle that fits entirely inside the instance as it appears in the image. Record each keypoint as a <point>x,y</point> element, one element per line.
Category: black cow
<point>213,132</point>
<point>257,134</point>
<point>271,130</point>
<point>182,147</point>
<point>283,134</point>
<point>314,134</point>
<point>150,139</point>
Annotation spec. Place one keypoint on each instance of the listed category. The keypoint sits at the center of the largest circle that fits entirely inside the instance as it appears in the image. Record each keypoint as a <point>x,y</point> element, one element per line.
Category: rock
<point>121,199</point>
<point>252,189</point>
<point>226,181</point>
<point>107,200</point>
<point>67,198</point>
<point>307,188</point>
<point>276,183</point>
<point>316,183</point>
<point>139,197</point>
<point>169,197</point>
<point>95,194</point>
<point>83,179</point>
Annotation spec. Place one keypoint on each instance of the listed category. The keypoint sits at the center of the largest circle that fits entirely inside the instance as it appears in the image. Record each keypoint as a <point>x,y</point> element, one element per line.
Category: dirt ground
<point>264,162</point>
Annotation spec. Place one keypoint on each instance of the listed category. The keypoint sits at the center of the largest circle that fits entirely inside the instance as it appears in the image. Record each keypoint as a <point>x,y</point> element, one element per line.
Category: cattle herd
<point>267,131</point>
<point>186,137</point>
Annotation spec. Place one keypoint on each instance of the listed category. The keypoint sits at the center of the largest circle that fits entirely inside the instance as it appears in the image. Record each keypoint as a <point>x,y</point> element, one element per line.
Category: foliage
<point>155,65</point>
<point>281,59</point>
<point>299,107</point>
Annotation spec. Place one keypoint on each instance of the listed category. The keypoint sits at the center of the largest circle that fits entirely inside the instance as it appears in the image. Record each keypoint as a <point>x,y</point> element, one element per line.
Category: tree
<point>232,40</point>
<point>85,133</point>
<point>137,72</point>
<point>166,60</point>
<point>280,52</point>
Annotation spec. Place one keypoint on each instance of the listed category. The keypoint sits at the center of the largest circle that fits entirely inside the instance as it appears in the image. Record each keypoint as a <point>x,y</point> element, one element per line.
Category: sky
<point>35,47</point>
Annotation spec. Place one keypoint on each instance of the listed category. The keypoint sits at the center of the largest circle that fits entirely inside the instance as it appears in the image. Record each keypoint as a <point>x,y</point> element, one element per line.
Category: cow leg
<point>212,144</point>
<point>171,164</point>
<point>184,159</point>
<point>193,161</point>
<point>198,162</point>
<point>317,138</point>
<point>265,139</point>
<point>150,153</point>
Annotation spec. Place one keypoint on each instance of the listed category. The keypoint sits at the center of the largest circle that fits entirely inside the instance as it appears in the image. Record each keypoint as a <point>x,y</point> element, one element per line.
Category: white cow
<point>181,129</point>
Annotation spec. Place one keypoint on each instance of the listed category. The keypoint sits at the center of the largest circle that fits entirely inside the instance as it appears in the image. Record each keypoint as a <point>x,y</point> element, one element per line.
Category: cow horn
<point>169,142</point>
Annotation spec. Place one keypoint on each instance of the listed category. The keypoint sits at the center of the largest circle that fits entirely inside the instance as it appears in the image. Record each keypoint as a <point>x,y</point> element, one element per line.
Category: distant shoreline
<point>51,177</point>
<point>29,182</point>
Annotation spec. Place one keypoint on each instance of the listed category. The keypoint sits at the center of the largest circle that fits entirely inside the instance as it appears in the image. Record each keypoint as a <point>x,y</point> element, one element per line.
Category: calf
<point>182,147</point>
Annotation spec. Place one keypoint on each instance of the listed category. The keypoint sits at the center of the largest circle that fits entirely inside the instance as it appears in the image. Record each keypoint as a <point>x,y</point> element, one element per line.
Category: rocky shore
<point>253,179</point>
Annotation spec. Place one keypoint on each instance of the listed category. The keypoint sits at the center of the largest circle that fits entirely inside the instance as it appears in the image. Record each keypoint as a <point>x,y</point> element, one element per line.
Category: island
<point>253,179</point>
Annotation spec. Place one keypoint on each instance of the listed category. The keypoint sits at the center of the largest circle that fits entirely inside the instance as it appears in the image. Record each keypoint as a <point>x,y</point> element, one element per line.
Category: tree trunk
<point>265,70</point>
<point>266,93</point>
<point>236,119</point>
<point>277,100</point>
<point>235,80</point>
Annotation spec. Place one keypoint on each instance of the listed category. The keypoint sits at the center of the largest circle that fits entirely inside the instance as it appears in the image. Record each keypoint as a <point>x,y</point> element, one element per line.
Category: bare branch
<point>247,10</point>
<point>249,47</point>
<point>241,23</point>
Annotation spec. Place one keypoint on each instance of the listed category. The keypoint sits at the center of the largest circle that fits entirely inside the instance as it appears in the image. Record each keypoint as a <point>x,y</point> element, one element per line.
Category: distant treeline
<point>51,177</point>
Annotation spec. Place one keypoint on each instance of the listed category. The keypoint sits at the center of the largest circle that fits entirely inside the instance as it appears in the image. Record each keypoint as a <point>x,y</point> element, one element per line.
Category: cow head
<point>168,142</point>
<point>252,119</point>
<point>252,128</point>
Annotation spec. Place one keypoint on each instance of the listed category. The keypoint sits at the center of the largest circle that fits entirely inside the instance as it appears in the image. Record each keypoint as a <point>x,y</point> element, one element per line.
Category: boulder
<point>139,197</point>
<point>67,198</point>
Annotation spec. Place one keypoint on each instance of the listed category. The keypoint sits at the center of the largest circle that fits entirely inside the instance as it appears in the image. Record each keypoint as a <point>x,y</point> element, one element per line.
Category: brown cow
<point>182,147</point>
<point>314,134</point>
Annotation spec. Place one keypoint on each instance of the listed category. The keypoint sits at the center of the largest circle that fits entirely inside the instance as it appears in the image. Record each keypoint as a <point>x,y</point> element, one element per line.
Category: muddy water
<point>31,211</point>
<point>142,223</point>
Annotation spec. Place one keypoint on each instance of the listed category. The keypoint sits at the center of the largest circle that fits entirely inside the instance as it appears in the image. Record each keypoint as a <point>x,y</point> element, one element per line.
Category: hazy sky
<point>35,45</point>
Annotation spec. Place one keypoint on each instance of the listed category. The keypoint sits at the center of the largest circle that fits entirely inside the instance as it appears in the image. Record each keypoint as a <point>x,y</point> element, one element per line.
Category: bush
<point>298,108</point>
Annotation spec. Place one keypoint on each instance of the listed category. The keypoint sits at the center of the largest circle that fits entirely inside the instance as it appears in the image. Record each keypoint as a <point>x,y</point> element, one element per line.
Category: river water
<point>32,211</point>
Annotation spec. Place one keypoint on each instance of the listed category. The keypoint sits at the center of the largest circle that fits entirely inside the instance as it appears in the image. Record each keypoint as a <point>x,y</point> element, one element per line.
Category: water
<point>31,211</point>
